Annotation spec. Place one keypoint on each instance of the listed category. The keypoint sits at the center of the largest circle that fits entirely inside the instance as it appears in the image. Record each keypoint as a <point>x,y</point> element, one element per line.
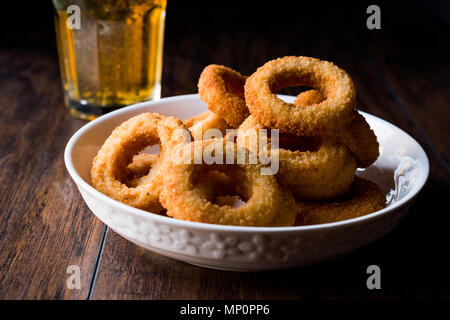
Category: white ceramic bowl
<point>401,171</point>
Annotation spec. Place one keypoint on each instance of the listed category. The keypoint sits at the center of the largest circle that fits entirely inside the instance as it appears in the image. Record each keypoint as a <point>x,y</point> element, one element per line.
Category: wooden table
<point>402,75</point>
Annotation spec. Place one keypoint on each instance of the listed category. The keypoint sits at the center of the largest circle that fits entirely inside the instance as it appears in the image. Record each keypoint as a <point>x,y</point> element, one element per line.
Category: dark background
<point>202,32</point>
<point>401,72</point>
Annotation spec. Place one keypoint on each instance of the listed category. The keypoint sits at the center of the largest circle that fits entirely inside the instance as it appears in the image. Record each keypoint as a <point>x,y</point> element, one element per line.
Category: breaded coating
<point>222,89</point>
<point>312,120</point>
<point>364,197</point>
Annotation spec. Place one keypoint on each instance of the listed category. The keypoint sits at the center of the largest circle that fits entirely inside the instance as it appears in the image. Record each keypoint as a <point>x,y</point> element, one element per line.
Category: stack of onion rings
<point>326,114</point>
<point>322,141</point>
<point>324,173</point>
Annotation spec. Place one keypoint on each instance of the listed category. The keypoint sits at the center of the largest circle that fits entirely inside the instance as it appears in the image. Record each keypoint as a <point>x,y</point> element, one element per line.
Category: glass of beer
<point>110,53</point>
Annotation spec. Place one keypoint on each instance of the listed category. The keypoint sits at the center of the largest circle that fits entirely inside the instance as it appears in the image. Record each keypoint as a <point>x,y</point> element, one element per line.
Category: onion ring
<point>213,184</point>
<point>108,170</point>
<point>356,134</point>
<point>222,89</point>
<point>205,121</point>
<point>361,140</point>
<point>324,173</point>
<point>198,117</point>
<point>364,197</point>
<point>309,97</point>
<point>140,167</point>
<point>266,204</point>
<point>311,120</point>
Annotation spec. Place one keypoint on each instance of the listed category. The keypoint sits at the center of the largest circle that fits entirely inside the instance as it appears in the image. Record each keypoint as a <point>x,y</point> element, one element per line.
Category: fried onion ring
<point>108,172</point>
<point>364,197</point>
<point>200,124</point>
<point>198,117</point>
<point>266,204</point>
<point>140,167</point>
<point>309,97</point>
<point>361,140</point>
<point>311,120</point>
<point>222,89</point>
<point>325,172</point>
<point>356,134</point>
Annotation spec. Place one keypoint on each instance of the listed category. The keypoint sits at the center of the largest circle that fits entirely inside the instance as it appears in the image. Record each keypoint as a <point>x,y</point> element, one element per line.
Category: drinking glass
<point>110,53</point>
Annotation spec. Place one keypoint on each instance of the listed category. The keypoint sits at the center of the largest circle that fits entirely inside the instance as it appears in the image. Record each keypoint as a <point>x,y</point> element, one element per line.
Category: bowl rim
<point>80,182</point>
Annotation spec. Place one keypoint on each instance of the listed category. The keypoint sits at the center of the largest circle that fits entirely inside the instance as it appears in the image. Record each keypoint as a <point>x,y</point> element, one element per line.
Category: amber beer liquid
<point>114,58</point>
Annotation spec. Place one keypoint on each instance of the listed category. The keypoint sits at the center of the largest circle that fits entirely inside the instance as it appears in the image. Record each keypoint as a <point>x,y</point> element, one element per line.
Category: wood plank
<point>130,272</point>
<point>44,224</point>
<point>417,249</point>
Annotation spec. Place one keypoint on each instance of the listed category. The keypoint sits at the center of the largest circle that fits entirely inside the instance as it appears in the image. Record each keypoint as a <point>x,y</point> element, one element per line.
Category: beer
<point>114,57</point>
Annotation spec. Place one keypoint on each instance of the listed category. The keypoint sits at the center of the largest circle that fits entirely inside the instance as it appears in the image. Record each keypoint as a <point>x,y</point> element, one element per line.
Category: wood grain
<point>44,224</point>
